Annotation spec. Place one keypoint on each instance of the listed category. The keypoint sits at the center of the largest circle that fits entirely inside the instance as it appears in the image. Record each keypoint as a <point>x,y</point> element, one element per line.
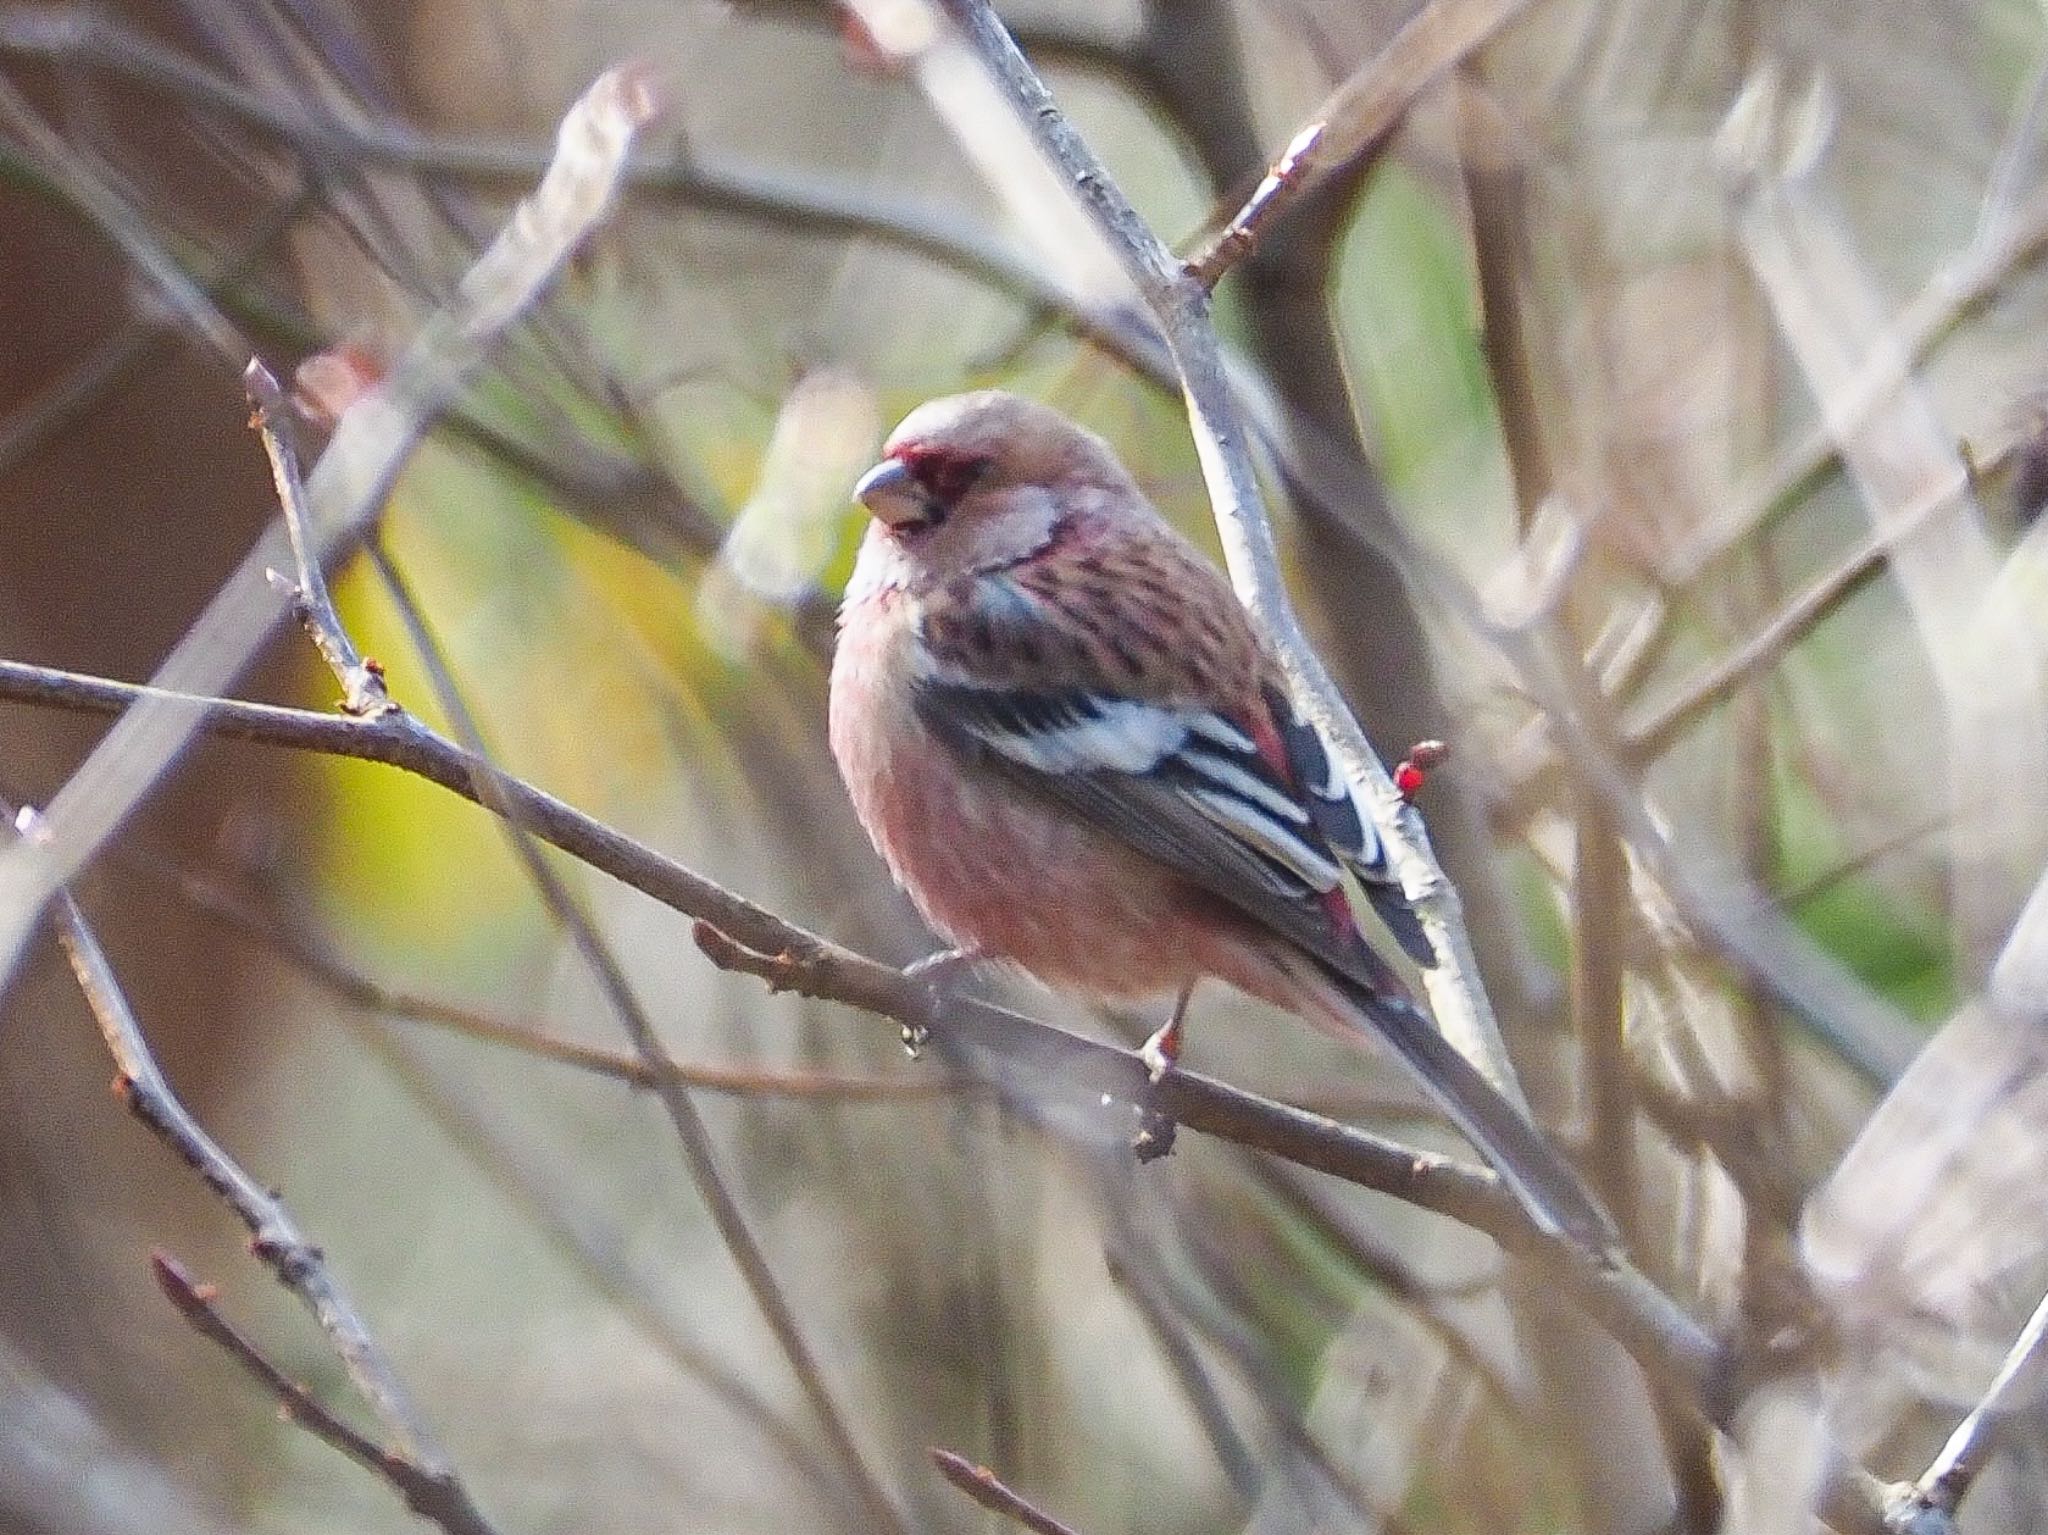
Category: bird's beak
<point>893,495</point>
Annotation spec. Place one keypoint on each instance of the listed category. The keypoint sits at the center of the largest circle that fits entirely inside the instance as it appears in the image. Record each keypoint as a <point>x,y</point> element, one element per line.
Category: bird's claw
<point>1156,1131</point>
<point>1160,1053</point>
<point>935,972</point>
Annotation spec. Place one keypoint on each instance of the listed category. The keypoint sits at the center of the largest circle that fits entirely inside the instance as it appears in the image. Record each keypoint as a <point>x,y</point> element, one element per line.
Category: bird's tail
<point>1547,1186</point>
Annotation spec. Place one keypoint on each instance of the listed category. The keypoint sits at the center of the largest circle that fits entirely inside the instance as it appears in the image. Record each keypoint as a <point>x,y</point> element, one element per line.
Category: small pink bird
<point>1076,754</point>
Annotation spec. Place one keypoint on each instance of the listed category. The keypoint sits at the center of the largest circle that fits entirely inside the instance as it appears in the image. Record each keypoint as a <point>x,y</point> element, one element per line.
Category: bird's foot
<point>937,972</point>
<point>1155,1135</point>
<point>1161,1054</point>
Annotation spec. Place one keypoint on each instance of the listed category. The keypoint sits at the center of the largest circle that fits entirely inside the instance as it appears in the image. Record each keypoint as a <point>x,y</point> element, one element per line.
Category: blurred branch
<point>1602,909</point>
<point>540,1186</point>
<point>1354,116</point>
<point>430,1486</point>
<point>65,1469</point>
<point>347,489</point>
<point>353,986</point>
<point>1983,652</point>
<point>80,183</point>
<point>983,1485</point>
<point>1955,291</point>
<point>1170,1336</point>
<point>56,405</point>
<point>700,1152</point>
<point>2016,1389</point>
<point>809,206</point>
<point>1721,679</point>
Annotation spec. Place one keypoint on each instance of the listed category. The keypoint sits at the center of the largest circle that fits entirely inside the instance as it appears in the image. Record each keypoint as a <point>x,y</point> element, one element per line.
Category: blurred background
<point>1654,415</point>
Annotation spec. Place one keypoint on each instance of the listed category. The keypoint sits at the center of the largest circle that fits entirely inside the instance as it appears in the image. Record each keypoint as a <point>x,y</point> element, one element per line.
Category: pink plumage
<point>1074,752</point>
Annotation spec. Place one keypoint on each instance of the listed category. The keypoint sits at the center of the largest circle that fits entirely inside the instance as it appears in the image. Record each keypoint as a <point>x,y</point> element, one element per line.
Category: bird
<point>1077,754</point>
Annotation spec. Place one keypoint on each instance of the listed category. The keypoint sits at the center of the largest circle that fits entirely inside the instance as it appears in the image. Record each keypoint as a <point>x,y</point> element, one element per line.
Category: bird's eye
<point>950,477</point>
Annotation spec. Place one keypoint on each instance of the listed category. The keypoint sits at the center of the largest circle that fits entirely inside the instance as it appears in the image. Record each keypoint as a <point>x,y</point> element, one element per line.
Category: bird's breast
<point>989,866</point>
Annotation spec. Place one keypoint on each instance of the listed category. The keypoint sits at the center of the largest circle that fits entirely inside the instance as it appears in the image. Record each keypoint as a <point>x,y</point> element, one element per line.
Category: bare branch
<point>196,1304</point>
<point>1654,736</point>
<point>327,969</point>
<point>781,199</point>
<point>1955,290</point>
<point>983,1485</point>
<point>700,1153</point>
<point>275,1237</point>
<point>540,1187</point>
<point>742,935</point>
<point>1353,118</point>
<point>2016,1389</point>
<point>362,682</point>
<point>87,190</point>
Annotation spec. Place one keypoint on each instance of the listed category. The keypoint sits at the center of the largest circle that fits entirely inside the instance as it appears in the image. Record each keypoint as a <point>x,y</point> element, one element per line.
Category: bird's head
<point>977,481</point>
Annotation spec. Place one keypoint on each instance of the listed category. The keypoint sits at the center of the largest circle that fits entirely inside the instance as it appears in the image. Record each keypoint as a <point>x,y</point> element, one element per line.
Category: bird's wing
<point>1239,799</point>
<point>1346,824</point>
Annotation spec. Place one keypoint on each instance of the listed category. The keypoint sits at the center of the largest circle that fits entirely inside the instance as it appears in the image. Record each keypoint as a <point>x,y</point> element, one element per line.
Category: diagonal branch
<point>1030,1059</point>
<point>275,1238</point>
<point>700,1153</point>
<point>2018,1388</point>
<point>1366,106</point>
<point>196,1303</point>
<point>347,489</point>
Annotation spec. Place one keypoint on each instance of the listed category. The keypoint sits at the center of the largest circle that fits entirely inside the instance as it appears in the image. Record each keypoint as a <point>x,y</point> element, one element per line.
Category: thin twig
<point>314,960</point>
<point>987,1489</point>
<point>700,1152</point>
<point>80,183</point>
<point>807,206</point>
<point>196,1303</point>
<point>1954,291</point>
<point>1652,737</point>
<point>1241,1466</point>
<point>275,1237</point>
<point>362,681</point>
<point>52,408</point>
<point>541,1186</point>
<point>1356,114</point>
<point>1601,912</point>
<point>2016,1389</point>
